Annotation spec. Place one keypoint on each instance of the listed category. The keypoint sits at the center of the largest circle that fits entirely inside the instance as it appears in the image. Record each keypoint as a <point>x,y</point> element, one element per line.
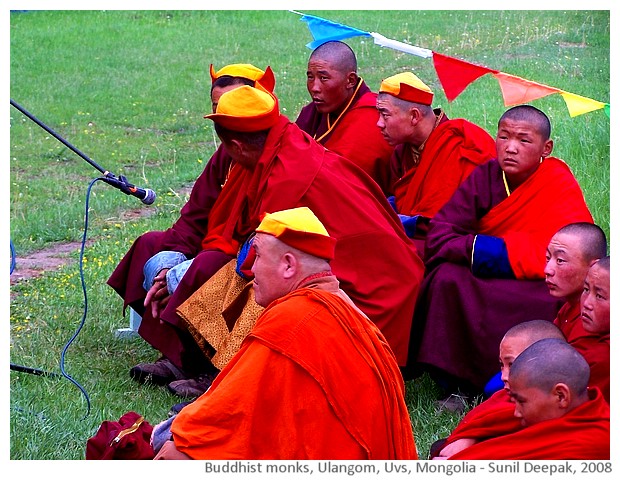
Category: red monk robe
<point>296,171</point>
<point>581,434</point>
<point>460,319</point>
<point>593,346</point>
<point>352,134</point>
<point>289,393</point>
<point>451,152</point>
<point>493,417</point>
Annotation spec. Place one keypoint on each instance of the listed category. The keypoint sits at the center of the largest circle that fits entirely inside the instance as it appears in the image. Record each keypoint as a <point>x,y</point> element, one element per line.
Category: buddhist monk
<point>155,269</point>
<point>433,154</point>
<point>485,254</point>
<point>289,393</point>
<point>495,416</point>
<point>342,115</point>
<point>563,419</point>
<point>592,340</point>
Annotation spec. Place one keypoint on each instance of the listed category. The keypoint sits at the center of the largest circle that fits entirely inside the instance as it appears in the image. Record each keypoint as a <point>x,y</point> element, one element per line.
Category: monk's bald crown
<point>550,361</point>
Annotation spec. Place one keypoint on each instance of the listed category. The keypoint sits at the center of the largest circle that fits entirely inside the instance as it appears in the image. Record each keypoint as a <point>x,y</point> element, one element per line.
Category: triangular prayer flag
<point>517,90</point>
<point>455,75</point>
<point>578,105</point>
<point>607,110</point>
<point>325,30</point>
<point>400,46</point>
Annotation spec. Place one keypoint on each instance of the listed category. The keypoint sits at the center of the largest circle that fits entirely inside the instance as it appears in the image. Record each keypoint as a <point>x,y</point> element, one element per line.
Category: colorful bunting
<point>455,75</point>
<point>517,90</point>
<point>400,46</point>
<point>578,105</point>
<point>325,31</point>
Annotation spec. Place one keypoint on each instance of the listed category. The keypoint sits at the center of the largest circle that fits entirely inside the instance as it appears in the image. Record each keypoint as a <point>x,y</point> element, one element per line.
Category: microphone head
<point>149,196</point>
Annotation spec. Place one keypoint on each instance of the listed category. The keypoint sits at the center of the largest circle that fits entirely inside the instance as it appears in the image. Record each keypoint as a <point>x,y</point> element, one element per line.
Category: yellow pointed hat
<point>409,87</point>
<point>246,109</point>
<point>300,229</point>
<point>245,70</point>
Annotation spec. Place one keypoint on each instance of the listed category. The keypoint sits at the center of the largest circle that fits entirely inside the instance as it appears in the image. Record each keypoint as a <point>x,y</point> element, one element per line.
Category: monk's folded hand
<point>455,447</point>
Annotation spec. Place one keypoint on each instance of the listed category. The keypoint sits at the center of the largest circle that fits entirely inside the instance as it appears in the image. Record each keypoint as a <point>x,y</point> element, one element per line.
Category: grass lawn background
<point>129,88</point>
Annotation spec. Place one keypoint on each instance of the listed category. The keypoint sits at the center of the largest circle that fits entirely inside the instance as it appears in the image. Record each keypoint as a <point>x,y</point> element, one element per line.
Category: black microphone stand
<point>119,182</point>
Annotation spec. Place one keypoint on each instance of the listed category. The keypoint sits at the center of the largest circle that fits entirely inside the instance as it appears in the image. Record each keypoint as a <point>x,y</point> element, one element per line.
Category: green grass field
<point>130,88</point>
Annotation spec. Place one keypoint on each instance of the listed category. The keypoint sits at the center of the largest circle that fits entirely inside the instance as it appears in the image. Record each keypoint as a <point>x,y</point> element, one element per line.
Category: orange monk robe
<point>352,134</point>
<point>313,380</point>
<point>581,434</point>
<point>452,151</point>
<point>593,346</point>
<point>527,226</point>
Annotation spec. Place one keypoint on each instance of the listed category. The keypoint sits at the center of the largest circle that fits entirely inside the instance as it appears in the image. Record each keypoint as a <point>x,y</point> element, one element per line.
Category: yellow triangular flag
<point>578,105</point>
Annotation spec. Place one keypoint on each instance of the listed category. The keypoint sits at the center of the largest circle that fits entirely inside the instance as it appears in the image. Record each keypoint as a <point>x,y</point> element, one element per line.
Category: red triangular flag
<point>517,90</point>
<point>455,75</point>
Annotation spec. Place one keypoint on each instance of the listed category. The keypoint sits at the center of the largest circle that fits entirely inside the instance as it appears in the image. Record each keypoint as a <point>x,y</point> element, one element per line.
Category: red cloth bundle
<point>127,439</point>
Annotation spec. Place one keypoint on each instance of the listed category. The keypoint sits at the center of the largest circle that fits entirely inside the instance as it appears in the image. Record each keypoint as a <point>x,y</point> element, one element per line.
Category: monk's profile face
<point>532,405</point>
<point>565,268</point>
<point>595,301</point>
<point>520,149</point>
<point>269,270</point>
<point>329,88</point>
<point>509,349</point>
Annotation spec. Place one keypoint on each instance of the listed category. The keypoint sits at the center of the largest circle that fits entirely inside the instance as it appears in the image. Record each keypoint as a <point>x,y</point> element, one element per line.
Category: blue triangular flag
<point>325,30</point>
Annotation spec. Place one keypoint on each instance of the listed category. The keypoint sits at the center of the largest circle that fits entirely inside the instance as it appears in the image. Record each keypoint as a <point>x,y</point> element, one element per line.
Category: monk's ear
<point>415,115</point>
<point>236,148</point>
<point>547,149</point>
<point>352,80</point>
<point>290,265</point>
<point>563,395</point>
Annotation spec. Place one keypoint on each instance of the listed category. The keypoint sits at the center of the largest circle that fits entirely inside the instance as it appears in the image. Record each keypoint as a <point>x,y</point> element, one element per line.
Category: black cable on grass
<point>81,266</point>
<point>82,321</point>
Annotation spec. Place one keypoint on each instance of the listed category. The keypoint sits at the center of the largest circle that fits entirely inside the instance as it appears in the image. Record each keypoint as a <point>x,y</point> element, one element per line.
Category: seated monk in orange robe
<point>433,154</point>
<point>315,379</point>
<point>495,416</point>
<point>562,418</point>
<point>342,115</point>
<point>485,254</point>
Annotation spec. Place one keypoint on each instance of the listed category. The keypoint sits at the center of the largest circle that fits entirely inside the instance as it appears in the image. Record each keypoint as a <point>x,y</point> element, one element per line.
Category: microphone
<point>146,195</point>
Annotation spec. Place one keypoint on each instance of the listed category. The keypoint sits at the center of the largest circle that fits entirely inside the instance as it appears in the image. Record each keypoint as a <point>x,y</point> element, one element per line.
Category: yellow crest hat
<point>246,109</point>
<point>409,87</point>
<point>301,229</point>
<point>245,70</point>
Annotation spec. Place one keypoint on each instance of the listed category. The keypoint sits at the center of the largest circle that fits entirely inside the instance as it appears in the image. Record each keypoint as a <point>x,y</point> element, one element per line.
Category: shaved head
<point>592,239</point>
<point>531,115</point>
<point>549,362</point>
<point>535,330</point>
<point>338,54</point>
